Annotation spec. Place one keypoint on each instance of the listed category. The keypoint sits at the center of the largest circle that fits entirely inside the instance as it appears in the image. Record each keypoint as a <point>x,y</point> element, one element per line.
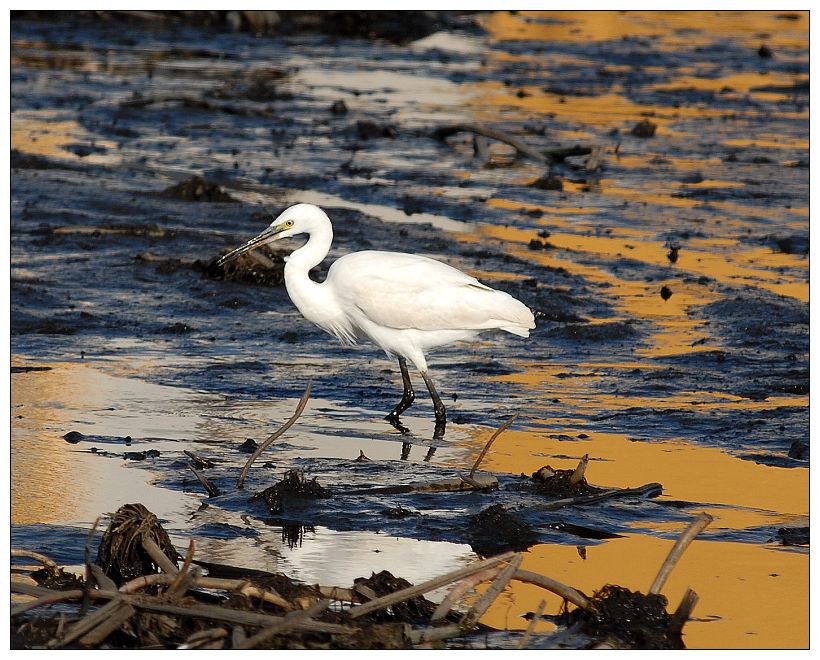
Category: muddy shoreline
<point>668,268</point>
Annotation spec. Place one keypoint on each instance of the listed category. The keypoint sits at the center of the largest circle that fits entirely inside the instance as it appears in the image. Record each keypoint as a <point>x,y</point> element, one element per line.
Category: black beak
<point>267,236</point>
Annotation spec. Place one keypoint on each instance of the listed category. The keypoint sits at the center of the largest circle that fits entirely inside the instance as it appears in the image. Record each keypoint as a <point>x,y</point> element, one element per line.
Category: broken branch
<point>28,554</point>
<point>207,484</point>
<point>695,527</point>
<point>435,583</point>
<point>684,611</point>
<point>299,408</point>
<point>493,133</point>
<point>470,620</point>
<point>533,622</point>
<point>567,593</point>
<point>578,474</point>
<point>484,451</point>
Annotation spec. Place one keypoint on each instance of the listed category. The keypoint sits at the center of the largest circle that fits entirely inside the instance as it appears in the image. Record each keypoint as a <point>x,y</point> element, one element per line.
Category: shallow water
<point>704,392</point>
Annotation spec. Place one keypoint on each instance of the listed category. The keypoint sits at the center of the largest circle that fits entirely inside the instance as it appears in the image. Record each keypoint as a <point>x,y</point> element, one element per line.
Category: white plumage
<point>404,303</point>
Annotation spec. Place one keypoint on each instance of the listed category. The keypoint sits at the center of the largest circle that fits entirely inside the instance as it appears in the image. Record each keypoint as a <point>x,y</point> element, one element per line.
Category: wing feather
<point>403,291</point>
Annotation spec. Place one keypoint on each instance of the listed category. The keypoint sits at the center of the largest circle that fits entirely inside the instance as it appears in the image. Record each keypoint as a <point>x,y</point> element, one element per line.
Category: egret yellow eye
<point>288,223</point>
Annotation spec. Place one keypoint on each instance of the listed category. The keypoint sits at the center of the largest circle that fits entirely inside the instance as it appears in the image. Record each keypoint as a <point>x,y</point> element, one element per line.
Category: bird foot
<point>396,423</point>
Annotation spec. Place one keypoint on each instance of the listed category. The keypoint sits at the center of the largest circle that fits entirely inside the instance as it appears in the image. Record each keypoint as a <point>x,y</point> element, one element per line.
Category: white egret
<point>404,303</point>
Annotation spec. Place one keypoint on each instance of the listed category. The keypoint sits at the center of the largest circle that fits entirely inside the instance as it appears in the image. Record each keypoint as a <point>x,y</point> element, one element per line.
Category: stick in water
<point>299,408</point>
<point>484,451</point>
<point>695,527</point>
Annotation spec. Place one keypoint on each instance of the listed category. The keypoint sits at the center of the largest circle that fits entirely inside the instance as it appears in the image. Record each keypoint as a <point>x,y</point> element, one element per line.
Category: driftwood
<point>567,593</point>
<point>154,604</point>
<point>578,474</point>
<point>544,157</point>
<point>647,490</point>
<point>207,484</point>
<point>198,103</point>
<point>288,622</point>
<point>498,585</point>
<point>522,148</point>
<point>302,614</point>
<point>684,610</point>
<point>159,557</point>
<point>200,462</point>
<point>457,484</point>
<point>461,588</point>
<point>28,554</point>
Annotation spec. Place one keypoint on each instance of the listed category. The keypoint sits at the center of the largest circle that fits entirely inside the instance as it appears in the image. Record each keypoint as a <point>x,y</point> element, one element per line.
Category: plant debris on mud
<point>294,485</point>
<point>628,619</point>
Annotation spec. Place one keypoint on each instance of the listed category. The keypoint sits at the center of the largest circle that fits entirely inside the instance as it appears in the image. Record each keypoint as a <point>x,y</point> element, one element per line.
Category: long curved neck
<point>306,294</point>
<point>312,252</point>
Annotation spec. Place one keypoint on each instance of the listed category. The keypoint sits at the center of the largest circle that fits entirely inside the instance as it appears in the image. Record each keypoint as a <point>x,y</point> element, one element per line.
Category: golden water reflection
<point>668,29</point>
<point>47,133</point>
<point>55,482</point>
<point>751,596</point>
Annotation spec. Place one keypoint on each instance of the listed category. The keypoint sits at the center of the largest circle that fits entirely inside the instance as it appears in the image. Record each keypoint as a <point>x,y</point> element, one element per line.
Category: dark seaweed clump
<point>496,529</point>
<point>557,483</point>
<point>197,189</point>
<point>293,485</point>
<point>628,619</point>
<point>121,554</point>
<point>414,610</point>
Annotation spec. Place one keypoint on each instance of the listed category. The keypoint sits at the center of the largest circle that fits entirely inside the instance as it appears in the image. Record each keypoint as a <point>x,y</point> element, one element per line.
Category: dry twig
<point>494,134</point>
<point>684,611</point>
<point>207,484</point>
<point>567,593</point>
<point>484,451</point>
<point>180,581</point>
<point>471,618</point>
<point>695,527</point>
<point>533,622</point>
<point>435,583</point>
<point>28,554</point>
<point>479,482</point>
<point>462,588</point>
<point>299,408</point>
<point>158,556</point>
<point>578,473</point>
<point>288,621</point>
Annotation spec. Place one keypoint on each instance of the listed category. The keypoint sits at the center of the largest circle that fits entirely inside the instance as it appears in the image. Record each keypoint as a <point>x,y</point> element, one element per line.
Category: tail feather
<point>514,316</point>
<point>516,330</point>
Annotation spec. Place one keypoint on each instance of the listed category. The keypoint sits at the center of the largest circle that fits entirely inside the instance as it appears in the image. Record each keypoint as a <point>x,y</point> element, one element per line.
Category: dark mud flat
<point>668,270</point>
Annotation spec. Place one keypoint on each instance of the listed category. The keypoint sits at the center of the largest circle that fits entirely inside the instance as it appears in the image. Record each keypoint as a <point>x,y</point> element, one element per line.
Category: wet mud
<point>652,210</point>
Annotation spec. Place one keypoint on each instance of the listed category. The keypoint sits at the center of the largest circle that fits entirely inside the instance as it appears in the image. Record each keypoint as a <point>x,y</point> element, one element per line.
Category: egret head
<point>297,219</point>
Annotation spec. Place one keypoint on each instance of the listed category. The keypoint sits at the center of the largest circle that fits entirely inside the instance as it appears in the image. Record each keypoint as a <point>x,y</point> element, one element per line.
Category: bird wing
<point>403,291</point>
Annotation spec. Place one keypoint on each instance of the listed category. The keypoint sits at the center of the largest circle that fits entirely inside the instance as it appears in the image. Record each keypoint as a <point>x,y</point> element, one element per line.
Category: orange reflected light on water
<point>688,472</point>
<point>726,575</point>
<point>43,133</point>
<point>710,257</point>
<point>669,29</point>
<point>55,482</point>
<point>752,596</point>
<point>746,592</point>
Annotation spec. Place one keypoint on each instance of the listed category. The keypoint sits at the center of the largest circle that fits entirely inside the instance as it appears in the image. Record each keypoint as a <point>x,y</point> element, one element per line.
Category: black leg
<point>406,398</point>
<point>438,406</point>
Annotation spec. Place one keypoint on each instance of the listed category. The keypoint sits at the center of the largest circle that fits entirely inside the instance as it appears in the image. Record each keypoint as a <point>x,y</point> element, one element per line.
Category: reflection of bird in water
<point>404,303</point>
